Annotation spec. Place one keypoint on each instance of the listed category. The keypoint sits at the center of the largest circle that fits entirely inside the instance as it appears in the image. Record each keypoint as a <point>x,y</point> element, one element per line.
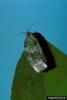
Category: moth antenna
<point>18,34</point>
<point>32,24</point>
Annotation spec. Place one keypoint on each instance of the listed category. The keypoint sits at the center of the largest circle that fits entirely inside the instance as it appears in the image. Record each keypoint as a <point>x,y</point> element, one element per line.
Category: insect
<point>34,52</point>
<point>33,47</point>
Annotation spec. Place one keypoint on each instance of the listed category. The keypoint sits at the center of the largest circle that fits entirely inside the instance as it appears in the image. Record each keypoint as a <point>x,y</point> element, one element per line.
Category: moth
<point>38,52</point>
<point>34,52</point>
